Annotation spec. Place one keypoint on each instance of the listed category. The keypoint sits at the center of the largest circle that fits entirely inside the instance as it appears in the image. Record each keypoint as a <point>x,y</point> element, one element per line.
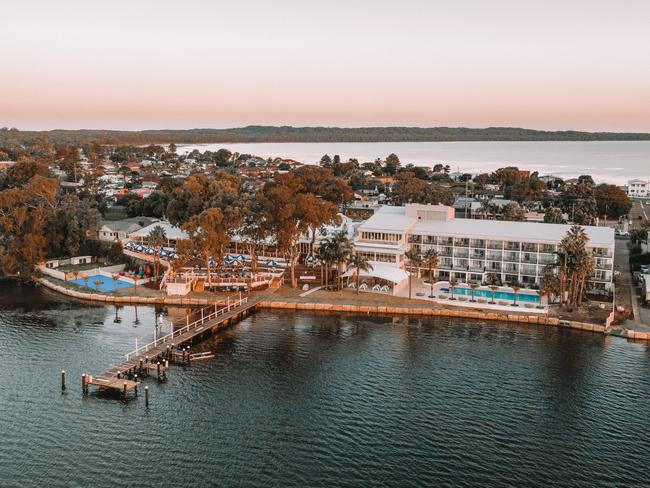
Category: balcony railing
<point>494,256</point>
<point>511,256</point>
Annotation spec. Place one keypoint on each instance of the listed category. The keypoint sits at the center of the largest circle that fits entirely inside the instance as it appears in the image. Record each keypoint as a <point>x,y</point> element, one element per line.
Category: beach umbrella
<point>241,257</point>
<point>272,263</point>
<point>139,247</point>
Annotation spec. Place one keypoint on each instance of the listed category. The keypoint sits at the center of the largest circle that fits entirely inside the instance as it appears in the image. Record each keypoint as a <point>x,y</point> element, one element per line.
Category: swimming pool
<point>498,295</point>
<point>104,283</point>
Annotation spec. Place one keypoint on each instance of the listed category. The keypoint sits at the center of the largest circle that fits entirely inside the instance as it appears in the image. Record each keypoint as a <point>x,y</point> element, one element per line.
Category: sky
<point>137,64</point>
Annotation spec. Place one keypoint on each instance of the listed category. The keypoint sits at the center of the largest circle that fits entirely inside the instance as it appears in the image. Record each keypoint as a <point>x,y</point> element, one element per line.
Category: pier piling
<point>62,380</point>
<point>146,397</point>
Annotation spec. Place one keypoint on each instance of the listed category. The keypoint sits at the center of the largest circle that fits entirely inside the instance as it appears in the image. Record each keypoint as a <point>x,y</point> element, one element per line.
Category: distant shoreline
<point>287,134</point>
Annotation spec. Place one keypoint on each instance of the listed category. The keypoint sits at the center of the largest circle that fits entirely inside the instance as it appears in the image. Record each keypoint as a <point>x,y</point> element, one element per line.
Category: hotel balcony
<point>461,253</point>
<point>445,251</point>
<point>494,255</point>
<point>479,243</point>
<point>498,245</point>
<point>511,256</point>
<point>529,258</point>
<point>510,268</point>
<point>602,253</point>
<point>461,242</point>
<point>545,260</point>
<point>478,253</point>
<point>528,269</point>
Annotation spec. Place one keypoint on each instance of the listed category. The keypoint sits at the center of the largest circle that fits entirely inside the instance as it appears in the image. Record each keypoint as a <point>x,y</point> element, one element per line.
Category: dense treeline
<point>13,137</point>
<point>38,220</point>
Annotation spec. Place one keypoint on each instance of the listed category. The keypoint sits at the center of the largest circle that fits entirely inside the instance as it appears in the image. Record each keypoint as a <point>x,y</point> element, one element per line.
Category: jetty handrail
<point>190,325</point>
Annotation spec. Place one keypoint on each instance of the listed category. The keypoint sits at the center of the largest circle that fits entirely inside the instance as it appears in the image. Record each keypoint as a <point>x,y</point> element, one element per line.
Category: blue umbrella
<point>272,263</point>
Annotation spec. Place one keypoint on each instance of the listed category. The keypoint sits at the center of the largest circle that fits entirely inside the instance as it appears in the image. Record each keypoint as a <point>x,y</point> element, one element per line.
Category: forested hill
<point>313,134</point>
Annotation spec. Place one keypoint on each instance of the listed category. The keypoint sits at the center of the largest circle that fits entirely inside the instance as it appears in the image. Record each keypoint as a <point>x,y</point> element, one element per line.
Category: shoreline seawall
<point>348,308</point>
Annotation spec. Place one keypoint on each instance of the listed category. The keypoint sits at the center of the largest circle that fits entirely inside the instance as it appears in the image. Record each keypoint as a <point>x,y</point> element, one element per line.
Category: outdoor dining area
<point>165,253</point>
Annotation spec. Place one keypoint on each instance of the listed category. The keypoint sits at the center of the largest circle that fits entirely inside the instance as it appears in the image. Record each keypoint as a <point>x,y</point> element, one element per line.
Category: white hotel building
<point>468,248</point>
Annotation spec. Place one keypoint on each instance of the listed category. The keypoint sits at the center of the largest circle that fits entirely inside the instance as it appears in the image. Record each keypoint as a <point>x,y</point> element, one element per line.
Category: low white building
<point>120,230</point>
<point>638,188</point>
<point>468,249</point>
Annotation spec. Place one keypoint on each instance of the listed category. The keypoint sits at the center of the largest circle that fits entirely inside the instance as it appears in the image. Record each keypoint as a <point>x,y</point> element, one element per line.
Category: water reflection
<point>302,399</point>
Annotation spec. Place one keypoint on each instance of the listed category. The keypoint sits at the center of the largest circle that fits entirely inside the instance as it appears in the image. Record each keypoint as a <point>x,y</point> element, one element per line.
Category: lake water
<point>614,162</point>
<point>301,399</point>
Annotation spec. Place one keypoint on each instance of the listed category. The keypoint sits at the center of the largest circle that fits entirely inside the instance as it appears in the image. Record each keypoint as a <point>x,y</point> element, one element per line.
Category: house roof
<point>171,231</point>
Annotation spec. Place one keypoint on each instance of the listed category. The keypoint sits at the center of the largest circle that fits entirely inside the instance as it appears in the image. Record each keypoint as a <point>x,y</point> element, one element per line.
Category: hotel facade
<point>468,249</point>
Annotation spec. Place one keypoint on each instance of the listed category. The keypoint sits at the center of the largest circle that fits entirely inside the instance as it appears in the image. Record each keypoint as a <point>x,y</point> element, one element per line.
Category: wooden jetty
<point>154,358</point>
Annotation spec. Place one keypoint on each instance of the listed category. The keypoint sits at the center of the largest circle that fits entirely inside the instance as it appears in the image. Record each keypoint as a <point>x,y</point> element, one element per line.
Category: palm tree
<point>359,264</point>
<point>576,265</point>
<point>452,283</point>
<point>515,288</point>
<point>492,280</point>
<point>157,238</point>
<point>473,286</point>
<point>97,283</point>
<point>542,292</point>
<point>431,261</point>
<point>340,249</point>
<point>324,255</point>
<point>414,260</point>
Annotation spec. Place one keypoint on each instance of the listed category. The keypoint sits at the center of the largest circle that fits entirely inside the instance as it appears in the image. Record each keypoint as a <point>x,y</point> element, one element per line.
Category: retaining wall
<point>325,307</point>
<point>436,312</point>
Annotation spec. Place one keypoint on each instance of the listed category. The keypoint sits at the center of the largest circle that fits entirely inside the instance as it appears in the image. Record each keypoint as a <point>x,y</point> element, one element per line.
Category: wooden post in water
<point>83,383</point>
<point>146,397</point>
<point>141,365</point>
<point>62,380</point>
<point>158,368</point>
<point>124,390</point>
<point>135,378</point>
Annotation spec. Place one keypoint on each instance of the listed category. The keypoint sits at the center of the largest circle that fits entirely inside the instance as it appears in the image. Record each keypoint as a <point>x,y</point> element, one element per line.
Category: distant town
<point>214,222</point>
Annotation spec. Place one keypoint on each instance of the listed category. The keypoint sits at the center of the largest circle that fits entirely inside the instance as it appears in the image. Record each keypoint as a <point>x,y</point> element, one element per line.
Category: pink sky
<point>161,64</point>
